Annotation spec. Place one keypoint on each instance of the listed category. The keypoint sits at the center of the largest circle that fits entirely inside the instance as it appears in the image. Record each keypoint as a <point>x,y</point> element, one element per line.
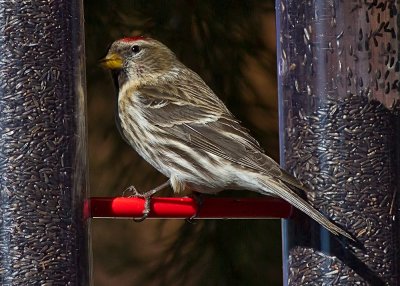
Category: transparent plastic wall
<point>43,232</point>
<point>338,64</point>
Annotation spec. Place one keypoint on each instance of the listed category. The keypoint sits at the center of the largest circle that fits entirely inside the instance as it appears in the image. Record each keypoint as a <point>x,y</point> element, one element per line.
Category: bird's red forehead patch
<point>132,39</point>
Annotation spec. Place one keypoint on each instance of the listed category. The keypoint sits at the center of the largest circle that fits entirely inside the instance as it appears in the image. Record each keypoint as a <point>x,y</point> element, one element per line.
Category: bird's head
<point>138,58</point>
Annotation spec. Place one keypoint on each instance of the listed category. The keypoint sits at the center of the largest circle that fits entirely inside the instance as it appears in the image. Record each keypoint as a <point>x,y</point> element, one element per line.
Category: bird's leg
<point>147,198</point>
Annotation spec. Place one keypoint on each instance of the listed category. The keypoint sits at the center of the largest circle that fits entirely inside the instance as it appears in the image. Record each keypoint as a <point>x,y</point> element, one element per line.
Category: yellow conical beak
<point>112,61</point>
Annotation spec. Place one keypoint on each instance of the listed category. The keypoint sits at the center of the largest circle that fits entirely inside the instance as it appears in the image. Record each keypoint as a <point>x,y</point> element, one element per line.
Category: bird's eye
<point>135,49</point>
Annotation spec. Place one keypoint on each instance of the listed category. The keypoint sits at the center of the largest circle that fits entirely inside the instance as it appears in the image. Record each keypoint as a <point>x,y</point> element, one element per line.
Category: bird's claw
<point>146,207</point>
<point>147,198</point>
<point>131,191</point>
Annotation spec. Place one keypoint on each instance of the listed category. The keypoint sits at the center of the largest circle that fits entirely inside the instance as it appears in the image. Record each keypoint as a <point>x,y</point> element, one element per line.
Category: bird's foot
<point>130,192</point>
<point>147,198</point>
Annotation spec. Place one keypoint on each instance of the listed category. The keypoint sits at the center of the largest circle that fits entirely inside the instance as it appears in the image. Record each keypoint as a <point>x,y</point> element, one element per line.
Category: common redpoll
<point>169,115</point>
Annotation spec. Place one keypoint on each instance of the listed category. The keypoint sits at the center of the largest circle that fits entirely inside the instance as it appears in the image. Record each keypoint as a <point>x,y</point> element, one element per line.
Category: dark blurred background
<point>231,44</point>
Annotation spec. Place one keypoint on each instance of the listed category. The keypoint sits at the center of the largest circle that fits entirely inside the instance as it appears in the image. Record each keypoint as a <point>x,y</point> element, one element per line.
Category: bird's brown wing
<point>213,129</point>
<point>205,124</point>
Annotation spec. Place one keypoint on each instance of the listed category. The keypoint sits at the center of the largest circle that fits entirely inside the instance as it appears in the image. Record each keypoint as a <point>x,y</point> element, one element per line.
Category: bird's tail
<point>275,186</point>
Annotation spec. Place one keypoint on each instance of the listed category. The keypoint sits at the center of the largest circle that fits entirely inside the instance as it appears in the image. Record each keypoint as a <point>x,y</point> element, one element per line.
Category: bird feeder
<point>338,64</point>
<point>44,238</point>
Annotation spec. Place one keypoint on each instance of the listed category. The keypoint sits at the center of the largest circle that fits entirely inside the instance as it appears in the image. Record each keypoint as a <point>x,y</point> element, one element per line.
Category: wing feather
<point>202,121</point>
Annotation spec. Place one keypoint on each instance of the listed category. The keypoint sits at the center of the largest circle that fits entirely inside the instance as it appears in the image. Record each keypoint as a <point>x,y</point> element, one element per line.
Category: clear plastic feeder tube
<point>338,64</point>
<point>43,232</point>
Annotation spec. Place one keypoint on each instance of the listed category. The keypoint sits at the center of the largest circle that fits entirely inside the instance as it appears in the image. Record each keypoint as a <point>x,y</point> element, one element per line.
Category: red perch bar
<point>211,208</point>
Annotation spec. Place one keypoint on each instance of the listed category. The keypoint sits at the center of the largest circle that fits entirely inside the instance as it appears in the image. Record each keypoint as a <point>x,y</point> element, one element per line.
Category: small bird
<point>169,115</point>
